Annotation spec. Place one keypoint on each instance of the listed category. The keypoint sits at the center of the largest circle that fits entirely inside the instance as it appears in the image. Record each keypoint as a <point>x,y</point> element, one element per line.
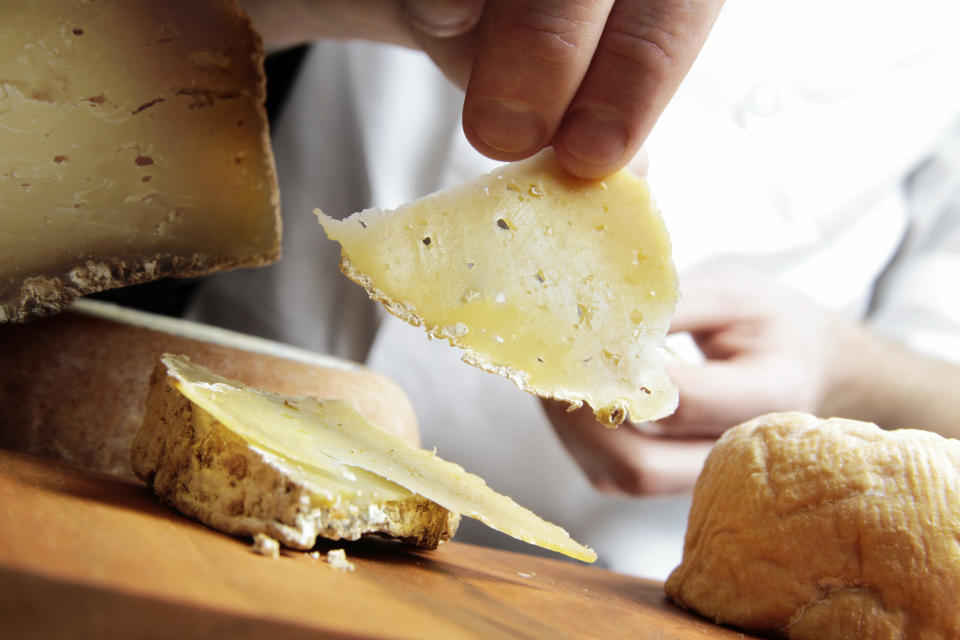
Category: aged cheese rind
<point>133,146</point>
<point>565,286</point>
<point>74,385</point>
<point>211,473</point>
<point>331,436</point>
<point>825,530</point>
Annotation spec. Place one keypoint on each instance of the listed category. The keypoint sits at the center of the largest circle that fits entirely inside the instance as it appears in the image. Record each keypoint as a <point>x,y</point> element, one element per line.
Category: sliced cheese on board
<point>133,145</point>
<point>564,285</point>
<point>329,437</point>
<point>210,472</point>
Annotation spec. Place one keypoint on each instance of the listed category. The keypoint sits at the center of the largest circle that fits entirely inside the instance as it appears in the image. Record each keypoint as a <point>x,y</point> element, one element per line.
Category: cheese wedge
<point>350,475</point>
<point>563,285</point>
<point>133,145</point>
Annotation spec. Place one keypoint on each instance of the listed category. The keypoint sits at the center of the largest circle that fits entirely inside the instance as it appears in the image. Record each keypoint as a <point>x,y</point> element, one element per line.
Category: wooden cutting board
<point>89,555</point>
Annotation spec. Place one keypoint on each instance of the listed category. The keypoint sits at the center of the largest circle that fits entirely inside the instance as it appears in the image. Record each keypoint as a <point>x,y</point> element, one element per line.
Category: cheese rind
<point>73,386</point>
<point>565,286</point>
<point>133,146</point>
<point>211,472</point>
<point>825,529</point>
<point>329,438</point>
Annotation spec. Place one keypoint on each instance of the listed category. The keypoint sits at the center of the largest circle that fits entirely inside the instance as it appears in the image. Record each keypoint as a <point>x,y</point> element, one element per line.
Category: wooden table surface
<point>88,555</point>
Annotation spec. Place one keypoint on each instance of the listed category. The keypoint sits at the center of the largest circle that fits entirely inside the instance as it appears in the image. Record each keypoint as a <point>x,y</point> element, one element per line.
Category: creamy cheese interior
<point>328,441</point>
<point>565,285</point>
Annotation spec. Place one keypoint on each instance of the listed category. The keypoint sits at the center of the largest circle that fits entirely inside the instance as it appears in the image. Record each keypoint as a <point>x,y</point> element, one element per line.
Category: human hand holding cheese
<point>626,460</point>
<point>770,348</point>
<point>590,78</point>
<point>767,348</point>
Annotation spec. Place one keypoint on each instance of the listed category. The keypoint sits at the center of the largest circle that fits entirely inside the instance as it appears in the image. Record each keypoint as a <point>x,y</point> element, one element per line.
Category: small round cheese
<point>825,529</point>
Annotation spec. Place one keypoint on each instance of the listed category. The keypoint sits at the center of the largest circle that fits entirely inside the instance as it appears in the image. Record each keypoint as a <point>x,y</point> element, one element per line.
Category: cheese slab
<point>133,145</point>
<point>210,472</point>
<point>825,528</point>
<point>330,439</point>
<point>566,286</point>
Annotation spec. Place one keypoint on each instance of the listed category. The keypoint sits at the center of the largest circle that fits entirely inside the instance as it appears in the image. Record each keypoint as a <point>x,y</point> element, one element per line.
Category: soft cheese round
<point>825,529</point>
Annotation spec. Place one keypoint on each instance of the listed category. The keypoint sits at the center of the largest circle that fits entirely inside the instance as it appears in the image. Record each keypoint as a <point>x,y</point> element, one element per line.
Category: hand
<point>589,77</point>
<point>768,348</point>
<point>624,460</point>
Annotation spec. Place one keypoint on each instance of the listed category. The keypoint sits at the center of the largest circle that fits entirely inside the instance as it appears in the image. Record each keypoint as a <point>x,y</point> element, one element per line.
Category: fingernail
<point>443,18</point>
<point>508,125</point>
<point>594,136</point>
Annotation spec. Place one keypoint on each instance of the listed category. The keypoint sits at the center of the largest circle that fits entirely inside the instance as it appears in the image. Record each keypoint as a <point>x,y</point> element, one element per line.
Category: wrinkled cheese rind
<point>566,286</point>
<point>133,145</point>
<point>825,529</point>
<point>330,435</point>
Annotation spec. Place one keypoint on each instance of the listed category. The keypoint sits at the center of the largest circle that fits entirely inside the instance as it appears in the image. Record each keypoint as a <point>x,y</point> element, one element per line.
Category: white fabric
<point>787,150</point>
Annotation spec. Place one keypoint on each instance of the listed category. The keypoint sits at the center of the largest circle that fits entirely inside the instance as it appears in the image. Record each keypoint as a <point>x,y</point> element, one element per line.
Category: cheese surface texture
<point>565,286</point>
<point>73,385</point>
<point>348,460</point>
<point>133,145</point>
<point>212,472</point>
<point>832,529</point>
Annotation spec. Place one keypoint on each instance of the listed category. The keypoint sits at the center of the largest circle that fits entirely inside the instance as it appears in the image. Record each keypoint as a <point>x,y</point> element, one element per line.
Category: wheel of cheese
<point>831,529</point>
<point>74,386</point>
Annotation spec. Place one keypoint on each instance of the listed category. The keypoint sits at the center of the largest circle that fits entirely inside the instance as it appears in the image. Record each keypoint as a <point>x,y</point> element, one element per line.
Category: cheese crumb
<point>337,558</point>
<point>265,546</point>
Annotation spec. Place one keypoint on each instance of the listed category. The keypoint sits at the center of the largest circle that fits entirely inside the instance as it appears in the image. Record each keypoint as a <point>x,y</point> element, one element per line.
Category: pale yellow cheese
<point>208,471</point>
<point>338,447</point>
<point>133,145</point>
<point>564,285</point>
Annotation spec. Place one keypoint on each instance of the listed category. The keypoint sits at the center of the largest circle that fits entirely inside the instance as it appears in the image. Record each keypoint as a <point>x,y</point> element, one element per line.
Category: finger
<point>646,49</point>
<point>710,312</point>
<point>442,18</point>
<point>711,297</point>
<point>531,57</point>
<point>640,163</point>
<point>714,397</point>
<point>624,461</point>
<point>721,394</point>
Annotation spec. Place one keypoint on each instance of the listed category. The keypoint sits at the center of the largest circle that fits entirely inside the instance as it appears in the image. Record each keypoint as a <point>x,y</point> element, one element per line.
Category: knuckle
<point>646,47</point>
<point>633,480</point>
<point>548,30</point>
<point>604,483</point>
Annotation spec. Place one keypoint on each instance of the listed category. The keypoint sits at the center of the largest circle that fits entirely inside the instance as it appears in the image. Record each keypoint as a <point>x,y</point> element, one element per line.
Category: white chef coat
<point>814,141</point>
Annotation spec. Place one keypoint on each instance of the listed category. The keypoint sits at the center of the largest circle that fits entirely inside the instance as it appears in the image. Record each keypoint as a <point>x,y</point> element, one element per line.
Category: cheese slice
<point>566,286</point>
<point>210,472</point>
<point>353,458</point>
<point>133,145</point>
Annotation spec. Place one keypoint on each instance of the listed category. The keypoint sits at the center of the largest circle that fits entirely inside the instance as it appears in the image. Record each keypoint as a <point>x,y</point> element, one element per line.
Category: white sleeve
<point>917,299</point>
